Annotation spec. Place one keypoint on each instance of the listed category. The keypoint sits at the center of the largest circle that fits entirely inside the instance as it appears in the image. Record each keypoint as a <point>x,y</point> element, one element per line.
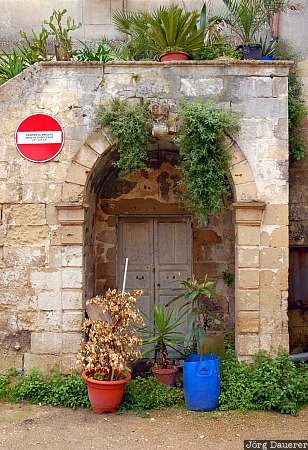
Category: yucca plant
<point>11,64</point>
<point>166,335</point>
<point>166,29</point>
<point>247,18</point>
<point>196,297</point>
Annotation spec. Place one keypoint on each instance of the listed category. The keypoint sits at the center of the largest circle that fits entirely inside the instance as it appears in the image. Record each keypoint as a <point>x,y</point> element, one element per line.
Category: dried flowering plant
<point>110,343</point>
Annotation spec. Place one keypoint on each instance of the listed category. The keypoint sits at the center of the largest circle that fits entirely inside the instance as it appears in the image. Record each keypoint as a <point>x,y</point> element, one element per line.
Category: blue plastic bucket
<point>201,382</point>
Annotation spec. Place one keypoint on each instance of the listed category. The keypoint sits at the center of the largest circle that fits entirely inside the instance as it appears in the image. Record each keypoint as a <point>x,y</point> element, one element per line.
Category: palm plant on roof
<point>245,17</point>
<point>250,18</point>
<point>165,30</point>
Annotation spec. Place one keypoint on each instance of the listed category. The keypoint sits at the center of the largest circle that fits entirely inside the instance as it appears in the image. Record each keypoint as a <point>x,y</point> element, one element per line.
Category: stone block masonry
<point>46,212</point>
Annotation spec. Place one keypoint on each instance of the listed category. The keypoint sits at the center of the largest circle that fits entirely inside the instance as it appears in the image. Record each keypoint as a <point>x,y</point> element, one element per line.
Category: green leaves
<point>205,159</point>
<point>61,33</point>
<point>34,48</point>
<point>165,331</point>
<point>130,125</point>
<point>266,384</point>
<point>248,17</point>
<point>165,29</point>
<point>11,64</point>
<point>297,113</point>
<point>102,53</point>
<point>142,394</point>
<point>54,389</point>
<point>196,296</point>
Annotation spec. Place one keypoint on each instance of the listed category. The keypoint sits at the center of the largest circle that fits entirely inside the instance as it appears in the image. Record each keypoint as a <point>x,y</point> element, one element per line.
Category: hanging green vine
<point>130,125</point>
<point>297,114</point>
<point>204,157</point>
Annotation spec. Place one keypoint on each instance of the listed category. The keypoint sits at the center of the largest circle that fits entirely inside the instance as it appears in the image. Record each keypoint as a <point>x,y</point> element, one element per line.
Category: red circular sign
<point>39,138</point>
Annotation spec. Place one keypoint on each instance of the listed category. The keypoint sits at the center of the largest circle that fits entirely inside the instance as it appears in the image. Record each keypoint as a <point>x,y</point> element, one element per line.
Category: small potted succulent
<point>108,344</point>
<point>168,33</point>
<point>165,337</point>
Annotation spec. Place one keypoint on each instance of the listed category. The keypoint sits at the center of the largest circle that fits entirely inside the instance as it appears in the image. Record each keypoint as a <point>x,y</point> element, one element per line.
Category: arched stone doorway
<point>97,155</point>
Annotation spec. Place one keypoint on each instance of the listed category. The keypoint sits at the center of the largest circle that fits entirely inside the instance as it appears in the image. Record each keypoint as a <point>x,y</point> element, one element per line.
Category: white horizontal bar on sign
<point>39,137</point>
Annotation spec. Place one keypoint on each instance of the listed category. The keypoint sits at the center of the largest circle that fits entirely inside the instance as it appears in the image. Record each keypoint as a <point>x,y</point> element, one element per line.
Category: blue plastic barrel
<point>201,382</point>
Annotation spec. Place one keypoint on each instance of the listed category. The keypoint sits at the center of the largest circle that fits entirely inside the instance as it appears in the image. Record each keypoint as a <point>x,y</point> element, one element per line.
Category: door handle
<point>158,284</point>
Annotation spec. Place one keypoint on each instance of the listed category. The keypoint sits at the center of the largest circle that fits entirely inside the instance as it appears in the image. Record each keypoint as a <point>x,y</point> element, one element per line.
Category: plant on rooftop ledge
<point>248,19</point>
<point>11,64</point>
<point>169,33</point>
<point>61,32</point>
<point>102,53</point>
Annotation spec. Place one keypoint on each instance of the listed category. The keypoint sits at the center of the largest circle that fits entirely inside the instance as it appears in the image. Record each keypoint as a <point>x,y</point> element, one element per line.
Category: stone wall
<point>44,210</point>
<point>95,16</point>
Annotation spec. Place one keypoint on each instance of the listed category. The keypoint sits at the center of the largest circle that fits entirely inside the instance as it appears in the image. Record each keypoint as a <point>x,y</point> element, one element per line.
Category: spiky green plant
<point>195,297</point>
<point>247,18</point>
<point>102,53</point>
<point>11,64</point>
<point>166,334</point>
<point>165,29</point>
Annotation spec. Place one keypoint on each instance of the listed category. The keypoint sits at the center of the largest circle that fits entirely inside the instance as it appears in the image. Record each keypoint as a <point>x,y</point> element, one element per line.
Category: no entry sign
<point>39,138</point>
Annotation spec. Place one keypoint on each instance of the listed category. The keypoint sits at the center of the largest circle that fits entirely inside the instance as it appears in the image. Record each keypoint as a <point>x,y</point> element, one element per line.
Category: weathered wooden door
<point>159,253</point>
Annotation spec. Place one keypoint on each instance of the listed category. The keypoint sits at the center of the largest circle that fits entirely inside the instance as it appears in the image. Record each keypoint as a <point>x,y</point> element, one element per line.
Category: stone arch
<point>75,211</point>
<point>97,147</point>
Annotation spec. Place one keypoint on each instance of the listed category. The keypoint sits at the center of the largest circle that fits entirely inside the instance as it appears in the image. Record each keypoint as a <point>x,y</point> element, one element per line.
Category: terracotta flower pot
<point>105,396</point>
<point>174,56</point>
<point>165,376</point>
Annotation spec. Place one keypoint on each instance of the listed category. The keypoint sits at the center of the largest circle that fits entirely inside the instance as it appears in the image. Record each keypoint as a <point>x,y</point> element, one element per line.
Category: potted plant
<point>169,33</point>
<point>247,19</point>
<point>165,337</point>
<point>108,344</point>
<point>201,371</point>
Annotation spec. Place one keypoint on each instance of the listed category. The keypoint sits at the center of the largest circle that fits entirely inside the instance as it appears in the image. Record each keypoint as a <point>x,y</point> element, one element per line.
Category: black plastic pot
<point>250,51</point>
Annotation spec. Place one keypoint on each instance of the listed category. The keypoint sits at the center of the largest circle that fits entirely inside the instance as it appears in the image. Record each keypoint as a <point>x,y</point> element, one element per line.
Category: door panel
<point>159,258</point>
<point>172,242</point>
<point>136,243</point>
<point>172,260</point>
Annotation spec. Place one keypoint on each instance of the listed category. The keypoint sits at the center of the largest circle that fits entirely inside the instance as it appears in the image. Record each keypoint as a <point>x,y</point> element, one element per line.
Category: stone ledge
<point>217,62</point>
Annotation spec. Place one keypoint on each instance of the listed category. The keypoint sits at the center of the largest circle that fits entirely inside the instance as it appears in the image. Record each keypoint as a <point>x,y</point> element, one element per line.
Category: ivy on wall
<point>130,124</point>
<point>297,114</point>
<point>203,155</point>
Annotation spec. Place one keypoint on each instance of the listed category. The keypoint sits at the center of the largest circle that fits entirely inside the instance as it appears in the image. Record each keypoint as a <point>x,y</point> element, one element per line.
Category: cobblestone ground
<point>27,427</point>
